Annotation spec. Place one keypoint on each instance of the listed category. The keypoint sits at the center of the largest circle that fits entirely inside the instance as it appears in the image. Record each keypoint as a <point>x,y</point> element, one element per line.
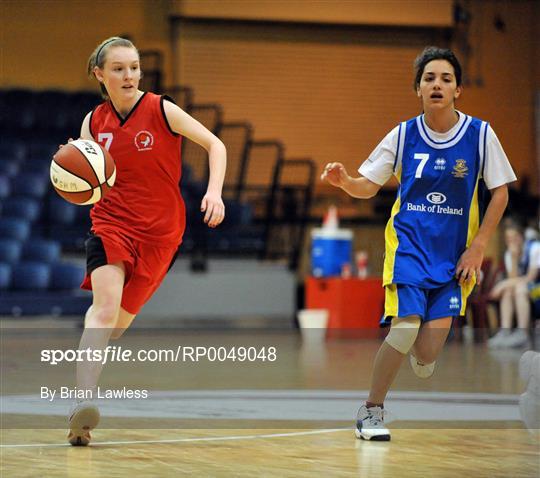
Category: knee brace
<point>403,333</point>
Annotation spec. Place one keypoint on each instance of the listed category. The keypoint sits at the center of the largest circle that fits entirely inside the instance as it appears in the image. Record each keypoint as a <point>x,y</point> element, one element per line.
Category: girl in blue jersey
<point>522,268</point>
<point>434,242</point>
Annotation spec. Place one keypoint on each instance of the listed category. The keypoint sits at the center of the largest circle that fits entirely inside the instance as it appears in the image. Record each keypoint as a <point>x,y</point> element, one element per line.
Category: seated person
<point>522,267</point>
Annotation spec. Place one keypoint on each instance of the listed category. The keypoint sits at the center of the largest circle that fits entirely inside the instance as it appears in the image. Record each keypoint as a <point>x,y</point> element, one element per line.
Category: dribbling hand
<point>60,146</point>
<point>214,209</point>
<point>335,174</point>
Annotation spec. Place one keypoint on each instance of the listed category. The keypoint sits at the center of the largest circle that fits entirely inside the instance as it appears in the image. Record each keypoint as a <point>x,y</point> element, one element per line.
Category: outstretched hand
<point>214,209</point>
<point>335,174</point>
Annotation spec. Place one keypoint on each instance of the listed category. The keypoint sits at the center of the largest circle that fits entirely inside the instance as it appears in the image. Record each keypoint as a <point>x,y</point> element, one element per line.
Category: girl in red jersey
<point>138,226</point>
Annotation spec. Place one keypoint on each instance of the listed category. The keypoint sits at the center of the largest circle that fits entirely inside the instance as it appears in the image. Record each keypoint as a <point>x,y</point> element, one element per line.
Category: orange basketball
<point>82,172</point>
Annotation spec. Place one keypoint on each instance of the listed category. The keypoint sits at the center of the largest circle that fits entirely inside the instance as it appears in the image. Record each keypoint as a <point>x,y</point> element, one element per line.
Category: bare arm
<point>361,187</point>
<point>85,128</point>
<point>85,131</point>
<point>183,124</point>
<point>470,261</point>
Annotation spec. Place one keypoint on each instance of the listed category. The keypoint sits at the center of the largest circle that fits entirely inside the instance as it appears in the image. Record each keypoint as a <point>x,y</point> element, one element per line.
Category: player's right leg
<point>100,321</point>
<point>405,305</point>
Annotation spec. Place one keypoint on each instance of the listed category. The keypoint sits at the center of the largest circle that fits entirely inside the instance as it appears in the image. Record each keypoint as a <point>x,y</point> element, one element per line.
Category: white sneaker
<point>370,424</point>
<point>421,370</point>
<point>495,341</point>
<point>518,338</point>
<point>84,417</point>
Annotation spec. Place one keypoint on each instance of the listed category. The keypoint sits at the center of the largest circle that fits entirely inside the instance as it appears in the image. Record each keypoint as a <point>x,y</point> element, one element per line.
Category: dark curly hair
<point>431,53</point>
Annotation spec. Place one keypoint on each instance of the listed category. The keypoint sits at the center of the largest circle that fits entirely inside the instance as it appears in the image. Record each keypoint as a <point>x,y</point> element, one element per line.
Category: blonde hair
<point>99,55</point>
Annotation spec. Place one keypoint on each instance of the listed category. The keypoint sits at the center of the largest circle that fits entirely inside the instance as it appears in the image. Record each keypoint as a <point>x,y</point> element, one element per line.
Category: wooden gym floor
<point>291,417</point>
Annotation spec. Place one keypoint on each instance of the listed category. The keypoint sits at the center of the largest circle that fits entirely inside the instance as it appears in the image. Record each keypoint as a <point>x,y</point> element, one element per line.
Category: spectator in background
<point>522,274</point>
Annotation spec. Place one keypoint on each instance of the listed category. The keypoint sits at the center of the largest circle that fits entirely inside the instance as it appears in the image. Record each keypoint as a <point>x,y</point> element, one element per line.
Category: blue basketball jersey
<point>436,214</point>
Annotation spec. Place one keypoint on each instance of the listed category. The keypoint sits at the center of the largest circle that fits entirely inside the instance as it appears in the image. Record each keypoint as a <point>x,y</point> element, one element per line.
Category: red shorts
<point>146,265</point>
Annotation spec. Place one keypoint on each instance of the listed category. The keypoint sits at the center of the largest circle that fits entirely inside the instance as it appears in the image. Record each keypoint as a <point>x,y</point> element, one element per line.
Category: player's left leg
<point>107,283</point>
<point>443,303</point>
<point>429,343</point>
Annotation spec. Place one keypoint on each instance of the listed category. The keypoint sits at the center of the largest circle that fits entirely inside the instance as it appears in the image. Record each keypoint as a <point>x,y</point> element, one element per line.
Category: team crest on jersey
<point>460,169</point>
<point>144,140</point>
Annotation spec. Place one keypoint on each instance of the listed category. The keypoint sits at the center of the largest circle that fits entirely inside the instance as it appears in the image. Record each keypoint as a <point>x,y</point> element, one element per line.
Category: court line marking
<point>181,440</point>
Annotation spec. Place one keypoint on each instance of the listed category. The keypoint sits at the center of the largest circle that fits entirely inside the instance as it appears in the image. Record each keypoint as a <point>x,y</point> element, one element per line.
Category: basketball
<point>82,172</point>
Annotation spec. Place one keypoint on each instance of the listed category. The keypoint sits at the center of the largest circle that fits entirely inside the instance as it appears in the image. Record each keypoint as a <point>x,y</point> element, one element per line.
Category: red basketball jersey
<point>145,202</point>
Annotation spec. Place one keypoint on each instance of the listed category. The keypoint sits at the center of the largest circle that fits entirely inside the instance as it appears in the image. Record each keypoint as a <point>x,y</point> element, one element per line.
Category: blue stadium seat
<point>237,213</point>
<point>41,151</point>
<point>11,228</point>
<point>21,208</point>
<point>36,167</point>
<point>9,167</point>
<point>41,250</point>
<point>18,115</point>
<point>13,150</point>
<point>81,103</point>
<point>30,184</point>
<point>73,232</point>
<point>52,111</point>
<point>66,276</point>
<point>31,276</point>
<point>10,251</point>
<point>5,276</point>
<point>5,186</point>
<point>61,212</point>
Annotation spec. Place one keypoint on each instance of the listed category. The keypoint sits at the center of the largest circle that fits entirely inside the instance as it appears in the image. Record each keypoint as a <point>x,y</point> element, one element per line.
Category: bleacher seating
<point>37,226</point>
<point>193,155</point>
<point>22,207</point>
<point>17,229</point>
<point>10,251</point>
<point>5,276</point>
<point>66,276</point>
<point>5,187</point>
<point>33,277</point>
<point>42,250</point>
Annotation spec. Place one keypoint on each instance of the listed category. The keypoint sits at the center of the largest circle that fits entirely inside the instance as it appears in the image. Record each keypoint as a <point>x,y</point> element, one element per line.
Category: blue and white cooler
<point>331,249</point>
